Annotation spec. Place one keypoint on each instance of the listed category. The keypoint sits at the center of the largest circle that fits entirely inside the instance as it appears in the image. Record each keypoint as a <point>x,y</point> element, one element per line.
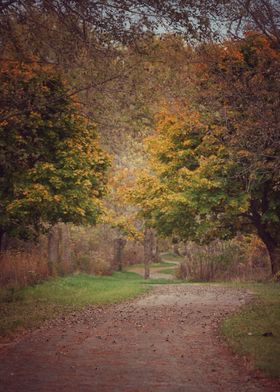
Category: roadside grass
<point>29,307</point>
<point>245,330</point>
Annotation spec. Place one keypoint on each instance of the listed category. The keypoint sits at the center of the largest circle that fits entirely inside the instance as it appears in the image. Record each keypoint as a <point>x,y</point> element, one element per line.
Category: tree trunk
<point>176,249</point>
<point>53,243</point>
<point>272,248</point>
<point>59,249</point>
<point>274,254</point>
<point>271,243</point>
<point>148,251</point>
<point>156,255</point>
<point>273,251</point>
<point>64,247</point>
<point>119,245</point>
<point>3,240</point>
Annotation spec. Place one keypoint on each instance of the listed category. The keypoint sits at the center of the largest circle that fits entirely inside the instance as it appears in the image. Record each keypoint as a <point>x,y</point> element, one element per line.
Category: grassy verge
<point>29,307</point>
<point>245,330</point>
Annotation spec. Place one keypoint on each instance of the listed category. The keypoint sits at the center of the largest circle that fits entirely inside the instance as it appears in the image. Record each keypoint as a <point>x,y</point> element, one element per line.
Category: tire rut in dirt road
<point>165,341</point>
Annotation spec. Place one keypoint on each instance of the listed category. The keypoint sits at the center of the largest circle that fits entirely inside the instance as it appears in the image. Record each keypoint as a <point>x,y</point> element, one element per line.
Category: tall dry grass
<point>242,259</point>
<point>20,268</point>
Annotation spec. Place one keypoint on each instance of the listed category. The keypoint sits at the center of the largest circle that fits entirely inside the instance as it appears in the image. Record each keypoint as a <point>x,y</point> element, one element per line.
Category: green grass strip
<point>255,330</point>
<point>29,307</point>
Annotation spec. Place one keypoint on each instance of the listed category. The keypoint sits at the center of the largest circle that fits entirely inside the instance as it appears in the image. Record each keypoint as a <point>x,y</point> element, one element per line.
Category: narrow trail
<point>165,341</point>
<point>155,272</point>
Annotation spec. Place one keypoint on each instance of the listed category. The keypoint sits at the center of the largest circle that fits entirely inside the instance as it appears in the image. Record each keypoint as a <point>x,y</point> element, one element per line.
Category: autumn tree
<point>123,20</point>
<point>262,16</point>
<point>52,168</point>
<point>215,161</point>
<point>90,41</point>
<point>101,48</point>
<point>245,89</point>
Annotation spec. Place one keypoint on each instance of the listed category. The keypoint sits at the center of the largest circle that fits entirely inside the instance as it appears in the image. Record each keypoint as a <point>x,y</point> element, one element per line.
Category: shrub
<point>182,271</point>
<point>276,277</point>
<point>94,263</point>
<point>242,258</point>
<point>101,266</point>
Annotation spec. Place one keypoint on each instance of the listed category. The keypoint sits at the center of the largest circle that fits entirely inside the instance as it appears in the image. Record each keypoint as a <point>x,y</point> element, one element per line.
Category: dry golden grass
<point>22,268</point>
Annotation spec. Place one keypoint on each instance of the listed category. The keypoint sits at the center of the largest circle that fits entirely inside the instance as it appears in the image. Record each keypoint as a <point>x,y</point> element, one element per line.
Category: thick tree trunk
<point>119,245</point>
<point>273,251</point>
<point>148,251</point>
<point>272,244</point>
<point>274,254</point>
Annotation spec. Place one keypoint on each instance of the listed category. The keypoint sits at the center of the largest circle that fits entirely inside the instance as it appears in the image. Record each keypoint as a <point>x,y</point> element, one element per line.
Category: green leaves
<point>216,159</point>
<point>52,168</point>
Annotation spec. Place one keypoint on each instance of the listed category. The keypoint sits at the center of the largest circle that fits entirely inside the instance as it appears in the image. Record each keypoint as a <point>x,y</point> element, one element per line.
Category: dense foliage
<point>51,166</point>
<point>214,162</point>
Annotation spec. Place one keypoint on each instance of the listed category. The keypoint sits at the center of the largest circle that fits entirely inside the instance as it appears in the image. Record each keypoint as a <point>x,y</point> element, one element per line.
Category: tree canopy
<point>51,168</point>
<point>209,69</point>
<point>214,162</point>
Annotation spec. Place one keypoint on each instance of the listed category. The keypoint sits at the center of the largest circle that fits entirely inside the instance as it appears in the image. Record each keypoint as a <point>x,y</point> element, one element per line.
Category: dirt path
<point>165,341</point>
<point>155,273</point>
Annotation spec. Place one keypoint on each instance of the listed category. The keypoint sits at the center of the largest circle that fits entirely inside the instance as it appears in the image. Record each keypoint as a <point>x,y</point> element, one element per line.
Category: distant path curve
<point>165,341</point>
<point>155,271</point>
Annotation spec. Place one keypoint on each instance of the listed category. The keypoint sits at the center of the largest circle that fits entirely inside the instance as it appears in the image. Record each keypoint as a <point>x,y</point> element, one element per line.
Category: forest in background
<point>128,128</point>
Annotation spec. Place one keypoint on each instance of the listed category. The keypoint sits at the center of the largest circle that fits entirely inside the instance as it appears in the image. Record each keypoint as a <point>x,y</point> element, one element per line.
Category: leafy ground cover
<point>29,307</point>
<point>255,330</point>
